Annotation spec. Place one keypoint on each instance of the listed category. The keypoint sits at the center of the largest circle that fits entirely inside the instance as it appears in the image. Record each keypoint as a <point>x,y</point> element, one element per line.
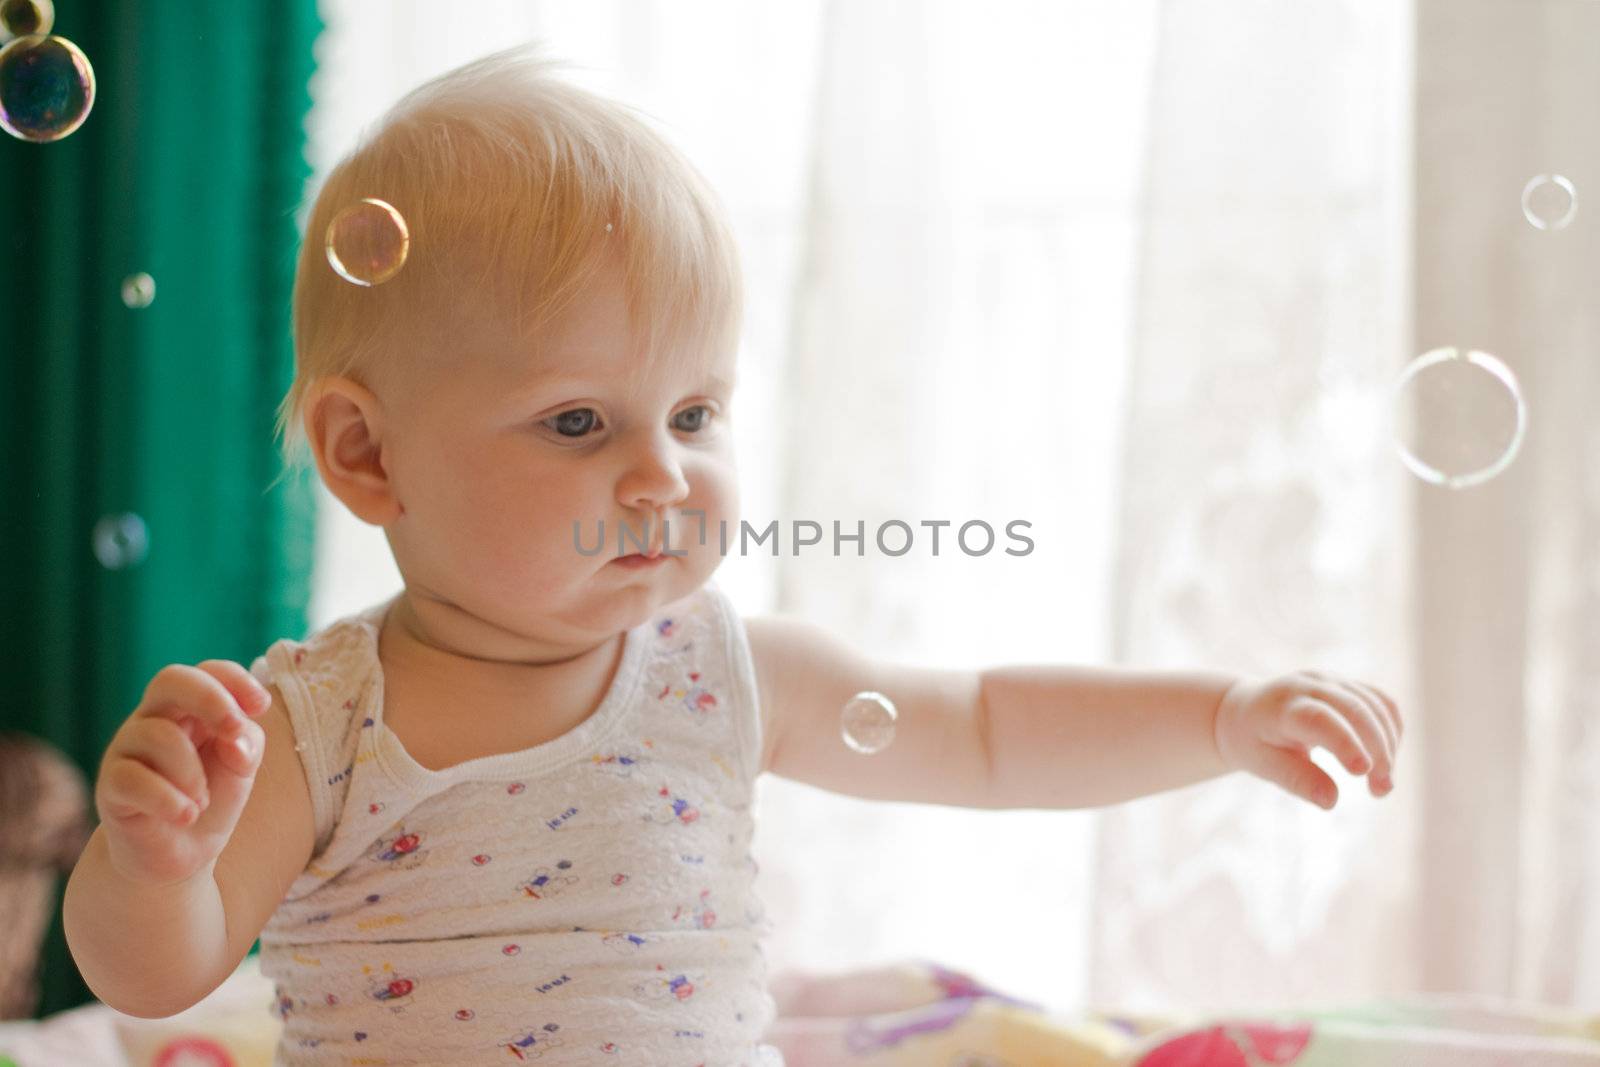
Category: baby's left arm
<point>1057,736</point>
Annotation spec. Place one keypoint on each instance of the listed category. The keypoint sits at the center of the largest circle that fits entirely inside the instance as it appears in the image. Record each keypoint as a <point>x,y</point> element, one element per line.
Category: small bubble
<point>367,242</point>
<point>138,290</point>
<point>120,541</point>
<point>1461,417</point>
<point>46,88</point>
<point>1549,201</point>
<point>19,18</point>
<point>867,723</point>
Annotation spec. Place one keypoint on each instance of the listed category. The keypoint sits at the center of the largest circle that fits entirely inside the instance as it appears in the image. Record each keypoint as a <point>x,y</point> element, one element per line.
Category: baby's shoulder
<point>324,673</point>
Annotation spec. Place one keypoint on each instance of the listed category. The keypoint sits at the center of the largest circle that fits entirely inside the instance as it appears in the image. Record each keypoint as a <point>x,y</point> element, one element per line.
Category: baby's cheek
<point>570,546</point>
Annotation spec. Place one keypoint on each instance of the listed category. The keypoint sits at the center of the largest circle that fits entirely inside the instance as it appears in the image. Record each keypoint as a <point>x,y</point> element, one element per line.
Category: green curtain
<point>190,168</point>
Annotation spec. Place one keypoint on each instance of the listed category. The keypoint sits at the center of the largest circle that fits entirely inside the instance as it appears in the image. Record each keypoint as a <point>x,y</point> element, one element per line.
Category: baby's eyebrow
<point>543,381</point>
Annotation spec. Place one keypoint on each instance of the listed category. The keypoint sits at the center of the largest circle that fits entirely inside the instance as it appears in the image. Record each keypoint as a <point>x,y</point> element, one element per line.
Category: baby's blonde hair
<point>507,178</point>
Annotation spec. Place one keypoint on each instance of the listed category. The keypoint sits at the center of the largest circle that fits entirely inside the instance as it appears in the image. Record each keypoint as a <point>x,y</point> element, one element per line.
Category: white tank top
<point>587,900</point>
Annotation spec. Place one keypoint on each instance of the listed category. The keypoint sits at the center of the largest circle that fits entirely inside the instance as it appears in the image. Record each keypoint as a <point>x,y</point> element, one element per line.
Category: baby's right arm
<point>197,843</point>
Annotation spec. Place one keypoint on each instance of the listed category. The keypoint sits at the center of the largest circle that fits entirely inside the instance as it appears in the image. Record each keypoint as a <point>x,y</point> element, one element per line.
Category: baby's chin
<point>619,597</point>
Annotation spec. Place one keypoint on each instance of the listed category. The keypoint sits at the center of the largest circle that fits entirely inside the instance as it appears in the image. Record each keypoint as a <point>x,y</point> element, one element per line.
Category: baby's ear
<point>343,424</point>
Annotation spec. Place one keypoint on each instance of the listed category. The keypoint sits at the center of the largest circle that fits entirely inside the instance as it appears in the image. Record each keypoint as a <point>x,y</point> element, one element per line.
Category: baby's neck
<point>446,707</point>
<point>436,636</point>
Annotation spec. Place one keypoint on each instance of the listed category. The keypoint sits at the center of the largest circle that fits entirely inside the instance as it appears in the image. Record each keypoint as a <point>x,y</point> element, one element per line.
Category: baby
<point>507,812</point>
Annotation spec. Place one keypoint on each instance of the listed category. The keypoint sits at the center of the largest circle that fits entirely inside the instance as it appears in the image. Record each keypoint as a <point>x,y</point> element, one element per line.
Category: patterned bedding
<point>929,1016</point>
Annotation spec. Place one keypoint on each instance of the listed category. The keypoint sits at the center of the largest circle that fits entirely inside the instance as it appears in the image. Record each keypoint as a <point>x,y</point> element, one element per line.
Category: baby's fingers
<point>164,747</point>
<point>1391,711</point>
<point>1295,772</point>
<point>1367,717</point>
<point>245,688</point>
<point>209,700</point>
<point>129,789</point>
<point>1312,722</point>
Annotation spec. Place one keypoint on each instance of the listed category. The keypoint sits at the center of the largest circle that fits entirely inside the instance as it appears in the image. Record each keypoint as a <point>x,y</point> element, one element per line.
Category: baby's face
<point>495,461</point>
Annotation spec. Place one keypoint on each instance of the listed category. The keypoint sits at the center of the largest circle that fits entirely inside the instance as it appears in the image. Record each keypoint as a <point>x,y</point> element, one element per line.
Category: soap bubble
<point>138,290</point>
<point>1549,201</point>
<point>367,242</point>
<point>46,88</point>
<point>18,18</point>
<point>867,723</point>
<point>1461,418</point>
<point>120,541</point>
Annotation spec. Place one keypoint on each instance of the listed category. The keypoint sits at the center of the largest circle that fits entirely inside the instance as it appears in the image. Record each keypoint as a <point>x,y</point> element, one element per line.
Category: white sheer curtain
<point>1264,519</point>
<point>1509,575</point>
<point>1138,273</point>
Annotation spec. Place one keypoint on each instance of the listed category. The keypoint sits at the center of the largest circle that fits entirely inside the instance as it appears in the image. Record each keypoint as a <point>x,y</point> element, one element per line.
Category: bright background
<point>1141,273</point>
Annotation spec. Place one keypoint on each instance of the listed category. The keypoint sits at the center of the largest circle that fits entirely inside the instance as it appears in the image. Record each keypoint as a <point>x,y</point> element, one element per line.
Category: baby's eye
<point>579,422</point>
<point>695,424</point>
<point>574,423</point>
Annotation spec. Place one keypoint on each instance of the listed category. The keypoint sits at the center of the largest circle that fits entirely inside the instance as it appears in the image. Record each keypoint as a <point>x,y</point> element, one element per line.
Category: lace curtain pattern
<point>1263,514</point>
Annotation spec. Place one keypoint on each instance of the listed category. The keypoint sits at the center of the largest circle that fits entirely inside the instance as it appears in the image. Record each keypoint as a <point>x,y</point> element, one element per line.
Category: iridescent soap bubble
<point>1460,417</point>
<point>367,242</point>
<point>867,723</point>
<point>46,88</point>
<point>1549,201</point>
<point>18,18</point>
<point>138,290</point>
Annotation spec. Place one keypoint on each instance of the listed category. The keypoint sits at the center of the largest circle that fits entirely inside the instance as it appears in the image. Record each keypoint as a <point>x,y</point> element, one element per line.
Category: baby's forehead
<point>621,371</point>
<point>489,352</point>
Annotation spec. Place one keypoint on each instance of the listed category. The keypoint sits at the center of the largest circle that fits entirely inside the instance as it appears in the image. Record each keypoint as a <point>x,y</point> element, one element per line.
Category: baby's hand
<point>174,780</point>
<point>1269,728</point>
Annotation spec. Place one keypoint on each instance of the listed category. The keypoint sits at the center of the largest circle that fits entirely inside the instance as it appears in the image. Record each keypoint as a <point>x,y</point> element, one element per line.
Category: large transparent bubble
<point>46,88</point>
<point>1460,417</point>
<point>1549,202</point>
<point>367,242</point>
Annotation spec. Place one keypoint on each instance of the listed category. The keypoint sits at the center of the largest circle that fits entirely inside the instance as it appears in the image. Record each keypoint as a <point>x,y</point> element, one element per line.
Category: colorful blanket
<point>924,1015</point>
<point>946,1019</point>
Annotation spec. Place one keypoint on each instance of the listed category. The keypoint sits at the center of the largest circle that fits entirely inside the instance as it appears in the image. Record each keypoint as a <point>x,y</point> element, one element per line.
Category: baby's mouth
<point>657,548</point>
